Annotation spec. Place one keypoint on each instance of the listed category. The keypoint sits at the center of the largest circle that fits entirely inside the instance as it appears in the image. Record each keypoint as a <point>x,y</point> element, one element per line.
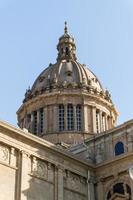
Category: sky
<point>29,33</point>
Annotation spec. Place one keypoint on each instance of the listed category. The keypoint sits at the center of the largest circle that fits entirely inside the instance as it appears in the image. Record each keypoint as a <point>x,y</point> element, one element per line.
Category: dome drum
<point>61,114</point>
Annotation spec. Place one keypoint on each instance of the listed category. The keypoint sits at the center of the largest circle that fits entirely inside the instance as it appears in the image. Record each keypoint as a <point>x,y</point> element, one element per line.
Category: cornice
<point>20,134</point>
<point>78,93</point>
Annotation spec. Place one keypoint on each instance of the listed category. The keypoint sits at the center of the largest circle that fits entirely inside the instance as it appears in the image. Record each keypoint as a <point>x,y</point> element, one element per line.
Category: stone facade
<point>87,158</point>
<point>34,169</point>
<point>111,162</point>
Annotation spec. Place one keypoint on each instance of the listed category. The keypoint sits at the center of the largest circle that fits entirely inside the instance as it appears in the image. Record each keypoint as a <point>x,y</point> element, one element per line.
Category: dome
<point>67,73</point>
<point>67,102</point>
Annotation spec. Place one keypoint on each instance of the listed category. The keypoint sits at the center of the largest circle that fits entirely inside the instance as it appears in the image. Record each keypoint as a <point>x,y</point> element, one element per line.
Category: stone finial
<point>65,29</point>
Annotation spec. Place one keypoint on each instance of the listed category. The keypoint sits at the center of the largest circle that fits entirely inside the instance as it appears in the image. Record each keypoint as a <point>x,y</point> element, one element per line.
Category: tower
<point>67,102</point>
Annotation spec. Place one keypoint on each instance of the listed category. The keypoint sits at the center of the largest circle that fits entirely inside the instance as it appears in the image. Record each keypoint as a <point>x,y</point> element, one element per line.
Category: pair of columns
<point>101,122</point>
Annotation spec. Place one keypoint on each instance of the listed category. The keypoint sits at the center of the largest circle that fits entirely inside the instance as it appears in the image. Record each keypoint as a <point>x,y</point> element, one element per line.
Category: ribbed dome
<point>66,74</point>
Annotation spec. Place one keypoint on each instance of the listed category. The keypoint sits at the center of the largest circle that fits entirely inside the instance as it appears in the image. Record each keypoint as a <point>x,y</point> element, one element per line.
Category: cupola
<point>66,46</point>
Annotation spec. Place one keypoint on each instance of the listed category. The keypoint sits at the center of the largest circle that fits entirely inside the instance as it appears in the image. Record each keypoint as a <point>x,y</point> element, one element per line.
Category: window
<point>103,122</point>
<point>70,122</point>
<point>119,188</point>
<point>61,117</point>
<point>97,122</point>
<point>41,120</point>
<point>28,122</point>
<point>67,51</point>
<point>119,148</point>
<point>78,116</point>
<point>35,122</point>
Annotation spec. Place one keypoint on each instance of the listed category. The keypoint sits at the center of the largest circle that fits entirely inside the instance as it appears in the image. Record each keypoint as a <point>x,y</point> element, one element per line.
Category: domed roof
<point>66,73</point>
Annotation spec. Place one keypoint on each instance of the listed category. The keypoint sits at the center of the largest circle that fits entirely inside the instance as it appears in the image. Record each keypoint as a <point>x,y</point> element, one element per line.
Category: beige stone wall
<point>110,169</point>
<point>34,169</point>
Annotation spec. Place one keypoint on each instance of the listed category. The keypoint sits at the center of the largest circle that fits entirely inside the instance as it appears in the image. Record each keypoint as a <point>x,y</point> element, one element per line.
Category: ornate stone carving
<point>39,168</point>
<point>4,154</point>
<point>75,182</point>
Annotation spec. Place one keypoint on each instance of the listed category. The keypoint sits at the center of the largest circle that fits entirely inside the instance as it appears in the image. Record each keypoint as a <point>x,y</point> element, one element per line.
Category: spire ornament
<point>65,29</point>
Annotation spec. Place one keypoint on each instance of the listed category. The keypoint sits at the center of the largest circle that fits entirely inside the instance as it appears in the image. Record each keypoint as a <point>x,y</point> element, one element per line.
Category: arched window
<point>97,122</point>
<point>119,188</point>
<point>119,148</point>
<point>35,122</point>
<point>41,121</point>
<point>78,116</point>
<point>61,117</point>
<point>103,122</point>
<point>67,51</point>
<point>70,121</point>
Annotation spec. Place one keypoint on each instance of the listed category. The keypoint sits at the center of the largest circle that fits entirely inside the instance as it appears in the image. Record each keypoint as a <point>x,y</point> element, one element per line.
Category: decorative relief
<point>39,168</point>
<point>4,154</point>
<point>75,182</point>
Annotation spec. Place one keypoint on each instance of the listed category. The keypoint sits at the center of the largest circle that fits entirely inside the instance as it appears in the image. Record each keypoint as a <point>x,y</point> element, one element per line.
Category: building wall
<point>33,169</point>
<point>111,164</point>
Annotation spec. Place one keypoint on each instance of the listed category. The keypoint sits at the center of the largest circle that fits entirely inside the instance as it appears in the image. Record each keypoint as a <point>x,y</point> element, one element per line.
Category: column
<point>100,121</point>
<point>85,118</point>
<point>55,118</point>
<point>94,119</point>
<point>60,184</point>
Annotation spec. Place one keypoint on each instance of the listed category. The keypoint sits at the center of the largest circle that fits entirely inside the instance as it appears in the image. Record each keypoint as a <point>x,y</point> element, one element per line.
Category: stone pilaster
<point>13,157</point>
<point>25,183</point>
<point>85,118</point>
<point>91,195</point>
<point>60,184</point>
<point>100,190</point>
<point>100,121</point>
<point>56,183</point>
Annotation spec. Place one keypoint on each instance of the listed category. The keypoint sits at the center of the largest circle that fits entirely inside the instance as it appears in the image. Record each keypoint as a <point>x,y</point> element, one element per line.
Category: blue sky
<point>29,32</point>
